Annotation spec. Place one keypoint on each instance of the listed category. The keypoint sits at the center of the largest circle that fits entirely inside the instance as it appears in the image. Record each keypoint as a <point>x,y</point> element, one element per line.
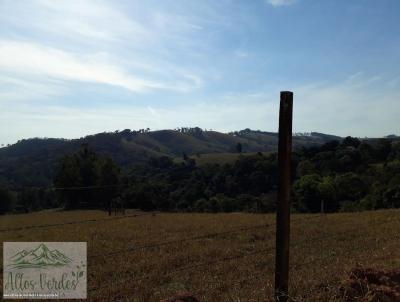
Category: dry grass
<point>324,248</point>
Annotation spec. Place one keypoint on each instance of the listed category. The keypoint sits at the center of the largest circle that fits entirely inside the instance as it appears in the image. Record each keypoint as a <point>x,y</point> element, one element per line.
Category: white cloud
<point>19,89</point>
<point>281,2</point>
<point>28,58</point>
<point>46,46</point>
<point>74,19</point>
<point>359,107</point>
<point>32,59</point>
<point>341,109</point>
<point>92,41</point>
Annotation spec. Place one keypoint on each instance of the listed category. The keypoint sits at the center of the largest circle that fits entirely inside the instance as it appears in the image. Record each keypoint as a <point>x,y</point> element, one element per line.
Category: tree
<point>201,205</point>
<point>307,193</point>
<point>350,187</point>
<point>327,194</point>
<point>350,142</point>
<point>28,200</point>
<point>108,181</point>
<point>68,175</point>
<point>225,203</point>
<point>330,146</point>
<point>316,194</point>
<point>395,151</point>
<point>383,148</point>
<point>348,159</point>
<point>239,148</point>
<point>367,152</point>
<point>162,162</point>
<point>305,167</point>
<point>391,196</point>
<point>6,201</point>
<point>87,161</point>
<point>86,180</point>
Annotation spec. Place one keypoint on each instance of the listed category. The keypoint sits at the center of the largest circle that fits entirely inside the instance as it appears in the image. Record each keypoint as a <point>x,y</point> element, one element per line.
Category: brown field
<point>152,262</point>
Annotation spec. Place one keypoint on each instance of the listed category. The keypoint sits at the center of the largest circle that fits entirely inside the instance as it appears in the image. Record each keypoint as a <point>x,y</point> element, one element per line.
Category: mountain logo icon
<point>40,257</point>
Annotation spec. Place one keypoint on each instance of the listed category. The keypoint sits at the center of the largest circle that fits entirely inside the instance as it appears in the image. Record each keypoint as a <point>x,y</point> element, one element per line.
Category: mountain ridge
<point>32,162</point>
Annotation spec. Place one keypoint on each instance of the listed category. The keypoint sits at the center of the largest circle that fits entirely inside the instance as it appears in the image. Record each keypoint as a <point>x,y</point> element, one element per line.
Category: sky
<point>69,68</point>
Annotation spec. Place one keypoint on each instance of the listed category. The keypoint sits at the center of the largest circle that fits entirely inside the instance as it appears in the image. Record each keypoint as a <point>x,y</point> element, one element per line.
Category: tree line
<point>347,175</point>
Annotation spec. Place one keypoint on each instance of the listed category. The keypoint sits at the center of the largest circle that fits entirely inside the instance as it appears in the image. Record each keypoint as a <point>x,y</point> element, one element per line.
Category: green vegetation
<point>347,176</point>
<point>33,162</point>
<point>78,173</point>
<point>217,158</point>
<point>351,175</point>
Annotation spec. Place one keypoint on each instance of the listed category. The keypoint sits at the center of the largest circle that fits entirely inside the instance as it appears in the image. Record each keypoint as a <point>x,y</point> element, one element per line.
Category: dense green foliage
<point>27,200</point>
<point>242,186</point>
<point>6,201</point>
<point>86,180</point>
<point>350,175</point>
<point>347,176</point>
<point>33,162</point>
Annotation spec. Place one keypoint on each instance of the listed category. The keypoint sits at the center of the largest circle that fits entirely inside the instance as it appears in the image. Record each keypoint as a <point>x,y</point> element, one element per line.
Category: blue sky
<point>71,68</point>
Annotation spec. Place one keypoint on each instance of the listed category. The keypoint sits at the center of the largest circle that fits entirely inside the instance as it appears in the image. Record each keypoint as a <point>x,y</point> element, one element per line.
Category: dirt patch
<point>372,285</point>
<point>182,297</point>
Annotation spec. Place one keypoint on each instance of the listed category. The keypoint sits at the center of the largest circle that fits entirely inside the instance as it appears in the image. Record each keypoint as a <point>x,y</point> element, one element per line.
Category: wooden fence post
<point>283,207</point>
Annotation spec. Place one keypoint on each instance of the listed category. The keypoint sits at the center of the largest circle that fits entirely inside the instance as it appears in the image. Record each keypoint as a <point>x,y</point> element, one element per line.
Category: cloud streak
<point>71,67</point>
<point>317,107</point>
<point>93,42</point>
<point>36,60</point>
<point>281,2</point>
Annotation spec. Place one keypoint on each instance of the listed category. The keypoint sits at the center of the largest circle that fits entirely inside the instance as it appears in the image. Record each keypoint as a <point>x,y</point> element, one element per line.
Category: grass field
<point>152,261</point>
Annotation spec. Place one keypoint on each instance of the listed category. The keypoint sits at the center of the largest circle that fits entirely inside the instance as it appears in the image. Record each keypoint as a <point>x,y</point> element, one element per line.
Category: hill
<point>31,162</point>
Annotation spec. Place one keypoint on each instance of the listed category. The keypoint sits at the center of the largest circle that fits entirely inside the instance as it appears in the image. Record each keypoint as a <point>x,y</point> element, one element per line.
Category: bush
<point>350,206</point>
<point>201,205</point>
<point>6,201</point>
<point>369,202</point>
<point>268,202</point>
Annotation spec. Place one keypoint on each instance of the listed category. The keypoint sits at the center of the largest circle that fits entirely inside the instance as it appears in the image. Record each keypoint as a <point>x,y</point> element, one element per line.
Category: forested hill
<point>32,162</point>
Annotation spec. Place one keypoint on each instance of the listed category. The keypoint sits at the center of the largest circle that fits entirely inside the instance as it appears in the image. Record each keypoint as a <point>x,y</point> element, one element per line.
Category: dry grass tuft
<point>369,285</point>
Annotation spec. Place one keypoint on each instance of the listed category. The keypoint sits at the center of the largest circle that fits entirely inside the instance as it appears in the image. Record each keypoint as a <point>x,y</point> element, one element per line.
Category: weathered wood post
<point>283,207</point>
